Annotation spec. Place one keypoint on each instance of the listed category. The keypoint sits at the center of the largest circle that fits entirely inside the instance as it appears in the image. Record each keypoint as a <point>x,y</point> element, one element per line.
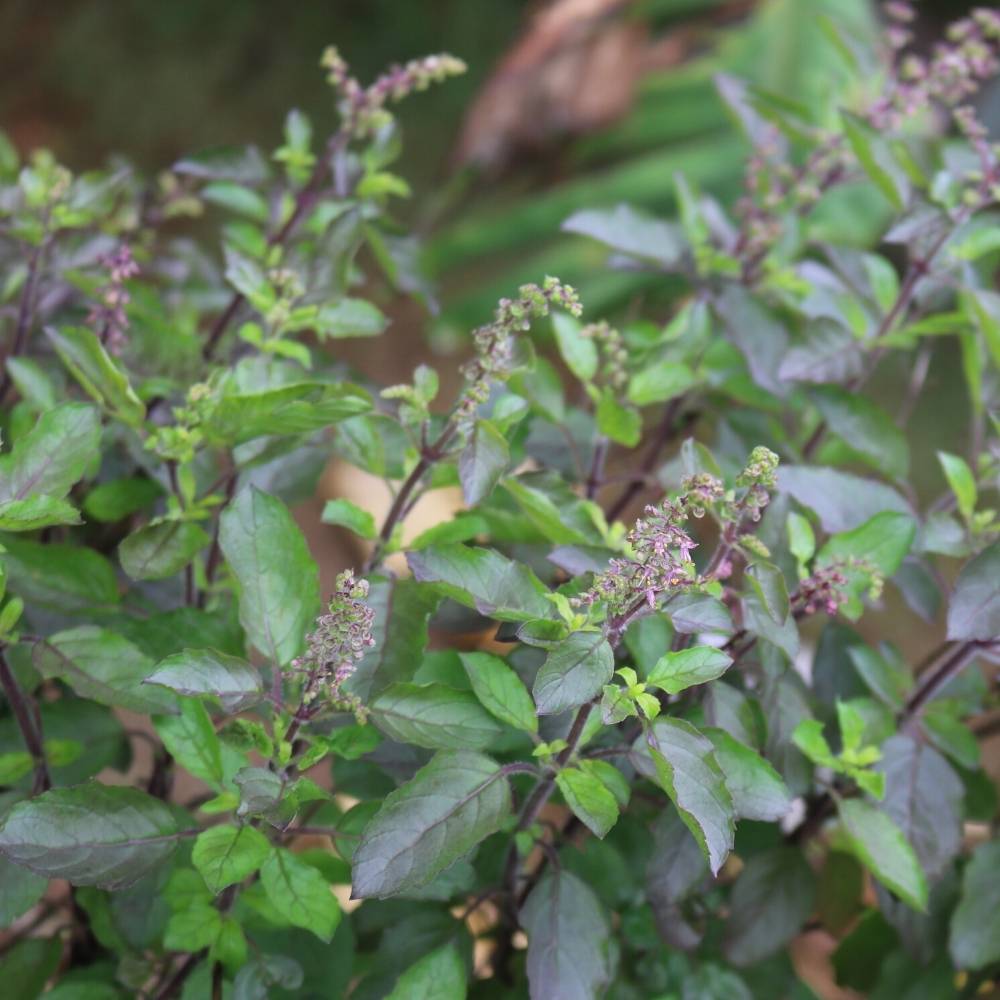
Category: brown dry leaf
<point>573,69</point>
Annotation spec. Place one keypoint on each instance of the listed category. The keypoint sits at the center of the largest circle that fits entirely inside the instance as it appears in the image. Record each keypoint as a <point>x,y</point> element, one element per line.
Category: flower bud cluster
<point>775,186</point>
<point>823,591</point>
<point>950,75</point>
<point>701,490</point>
<point>758,479</point>
<point>494,342</point>
<point>612,350</point>
<point>179,441</point>
<point>288,289</point>
<point>364,108</point>
<point>982,186</point>
<point>661,561</point>
<point>108,317</point>
<point>341,638</point>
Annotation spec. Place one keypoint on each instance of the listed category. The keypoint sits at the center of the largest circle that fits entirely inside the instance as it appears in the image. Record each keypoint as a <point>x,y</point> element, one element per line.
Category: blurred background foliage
<point>567,104</point>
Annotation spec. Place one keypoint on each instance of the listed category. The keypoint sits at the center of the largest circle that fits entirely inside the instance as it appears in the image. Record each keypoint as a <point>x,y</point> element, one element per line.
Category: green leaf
<point>591,801</point>
<point>36,512</point>
<point>858,957</point>
<point>439,975</point>
<point>402,608</point>
<point>501,692</point>
<point>349,515</point>
<point>91,834</point>
<point>801,539</point>
<point>771,901</point>
<point>279,583</point>
<point>434,716</point>
<point>102,666</point>
<point>876,159</point>
<point>14,766</point>
<point>974,608</point>
<point>609,776</point>
<point>119,498</point>
<point>353,741</point>
<point>677,863</point>
<point>191,740</point>
<point>924,797</point>
<point>883,279</point>
<point>647,639</point>
<point>165,633</point>
<point>659,382</point>
<point>675,672</point>
<point>287,409</point>
<point>840,889</point>
<point>683,761</point>
<point>20,889</point>
<point>53,456</point>
<point>236,683</point>
<point>624,229</point>
<point>808,737</point>
<point>99,374</point>
<point>158,551</point>
<point>758,620</point>
<point>826,352</point>
<point>976,244</point>
<point>880,544</point>
<point>890,679</point>
<point>841,500</point>
<point>248,278</point>
<point>349,318</point>
<point>943,726</point>
<point>58,577</point>
<point>621,424</point>
<point>232,163</point>
<point>423,827</point>
<point>758,333</point>
<point>33,382</point>
<point>462,527</point>
<point>962,482</point>
<point>557,514</point>
<point>300,894</point>
<point>568,939</point>
<point>865,429</point>
<point>757,790</point>
<point>29,964</point>
<point>193,929</point>
<point>482,579</point>
<point>579,352</point>
<point>768,583</point>
<point>225,855</point>
<point>252,982</point>
<point>974,941</point>
<point>237,198</point>
<point>260,790</point>
<point>883,849</point>
<point>482,462</point>
<point>574,672</point>
<point>694,613</point>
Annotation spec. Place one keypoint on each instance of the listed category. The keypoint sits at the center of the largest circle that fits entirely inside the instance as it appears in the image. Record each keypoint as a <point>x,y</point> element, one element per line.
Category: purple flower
<point>661,562</point>
<point>341,637</point>
<point>108,317</point>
